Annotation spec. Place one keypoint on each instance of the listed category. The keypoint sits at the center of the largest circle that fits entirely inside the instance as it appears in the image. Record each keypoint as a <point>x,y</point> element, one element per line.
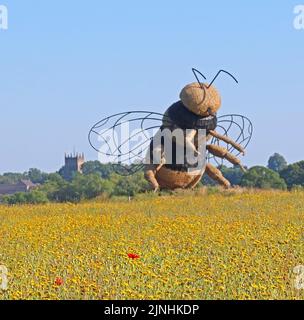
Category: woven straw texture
<point>170,179</point>
<point>198,100</point>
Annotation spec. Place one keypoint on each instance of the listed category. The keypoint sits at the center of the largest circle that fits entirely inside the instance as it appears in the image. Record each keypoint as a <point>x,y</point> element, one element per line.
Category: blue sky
<point>64,65</point>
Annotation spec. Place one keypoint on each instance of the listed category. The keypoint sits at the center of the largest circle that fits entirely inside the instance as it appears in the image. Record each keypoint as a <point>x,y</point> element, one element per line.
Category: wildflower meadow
<point>186,246</point>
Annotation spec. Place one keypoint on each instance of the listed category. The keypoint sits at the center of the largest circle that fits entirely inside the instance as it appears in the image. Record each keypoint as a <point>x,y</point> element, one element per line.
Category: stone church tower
<point>72,164</point>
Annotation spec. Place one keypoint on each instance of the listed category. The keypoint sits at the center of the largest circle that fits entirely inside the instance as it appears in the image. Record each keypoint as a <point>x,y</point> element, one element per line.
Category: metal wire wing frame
<point>139,151</point>
<point>242,126</point>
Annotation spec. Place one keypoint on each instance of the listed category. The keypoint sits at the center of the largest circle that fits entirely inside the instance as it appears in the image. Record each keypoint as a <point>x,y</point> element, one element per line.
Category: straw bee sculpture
<point>197,109</point>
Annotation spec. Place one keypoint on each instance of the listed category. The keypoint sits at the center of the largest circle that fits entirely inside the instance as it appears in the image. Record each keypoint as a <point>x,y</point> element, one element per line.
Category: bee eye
<point>211,113</point>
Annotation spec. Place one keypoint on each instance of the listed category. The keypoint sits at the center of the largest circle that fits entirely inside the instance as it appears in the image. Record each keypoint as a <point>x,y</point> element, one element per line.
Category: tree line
<point>100,179</point>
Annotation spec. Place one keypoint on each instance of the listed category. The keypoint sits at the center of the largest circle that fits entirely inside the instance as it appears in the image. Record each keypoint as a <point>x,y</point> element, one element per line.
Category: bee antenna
<point>219,74</point>
<point>195,71</point>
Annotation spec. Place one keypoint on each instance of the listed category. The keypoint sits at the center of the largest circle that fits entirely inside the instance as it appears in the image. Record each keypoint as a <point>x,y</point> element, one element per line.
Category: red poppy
<point>133,256</point>
<point>59,281</point>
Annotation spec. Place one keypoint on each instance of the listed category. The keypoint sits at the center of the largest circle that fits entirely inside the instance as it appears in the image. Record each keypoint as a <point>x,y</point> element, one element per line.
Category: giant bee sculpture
<point>225,138</point>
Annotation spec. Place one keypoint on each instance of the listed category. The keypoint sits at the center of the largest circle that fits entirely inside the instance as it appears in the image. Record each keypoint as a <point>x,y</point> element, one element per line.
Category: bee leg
<point>224,154</point>
<point>195,182</point>
<point>216,175</point>
<point>227,140</point>
<point>189,139</point>
<point>150,173</point>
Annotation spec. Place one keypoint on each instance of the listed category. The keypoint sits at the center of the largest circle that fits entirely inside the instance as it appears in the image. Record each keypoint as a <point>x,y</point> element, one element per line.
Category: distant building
<point>21,186</point>
<point>72,164</point>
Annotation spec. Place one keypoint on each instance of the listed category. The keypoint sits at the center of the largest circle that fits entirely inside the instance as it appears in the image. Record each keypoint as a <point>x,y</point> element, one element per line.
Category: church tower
<point>72,164</point>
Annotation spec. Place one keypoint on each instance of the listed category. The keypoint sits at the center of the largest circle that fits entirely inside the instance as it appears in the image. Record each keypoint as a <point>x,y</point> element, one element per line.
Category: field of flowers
<point>191,246</point>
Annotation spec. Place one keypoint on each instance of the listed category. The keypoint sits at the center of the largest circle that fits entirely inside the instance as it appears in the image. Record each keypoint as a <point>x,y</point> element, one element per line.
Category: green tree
<point>263,178</point>
<point>56,178</point>
<point>52,186</point>
<point>36,197</point>
<point>12,178</point>
<point>33,197</point>
<point>293,174</point>
<point>80,188</point>
<point>207,181</point>
<point>130,185</point>
<point>17,198</point>
<point>234,175</point>
<point>66,193</point>
<point>96,167</point>
<point>92,185</point>
<point>37,176</point>
<point>277,162</point>
<point>67,174</point>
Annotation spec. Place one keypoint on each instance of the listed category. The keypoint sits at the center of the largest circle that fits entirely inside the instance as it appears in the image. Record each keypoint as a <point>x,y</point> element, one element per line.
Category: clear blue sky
<point>64,65</point>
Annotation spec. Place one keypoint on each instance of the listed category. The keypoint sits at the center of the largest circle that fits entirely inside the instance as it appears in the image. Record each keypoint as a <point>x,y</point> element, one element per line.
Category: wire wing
<point>124,138</point>
<point>237,127</point>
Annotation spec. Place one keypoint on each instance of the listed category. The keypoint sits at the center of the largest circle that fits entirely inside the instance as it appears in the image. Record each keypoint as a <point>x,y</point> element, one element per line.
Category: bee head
<point>200,99</point>
<point>203,99</point>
